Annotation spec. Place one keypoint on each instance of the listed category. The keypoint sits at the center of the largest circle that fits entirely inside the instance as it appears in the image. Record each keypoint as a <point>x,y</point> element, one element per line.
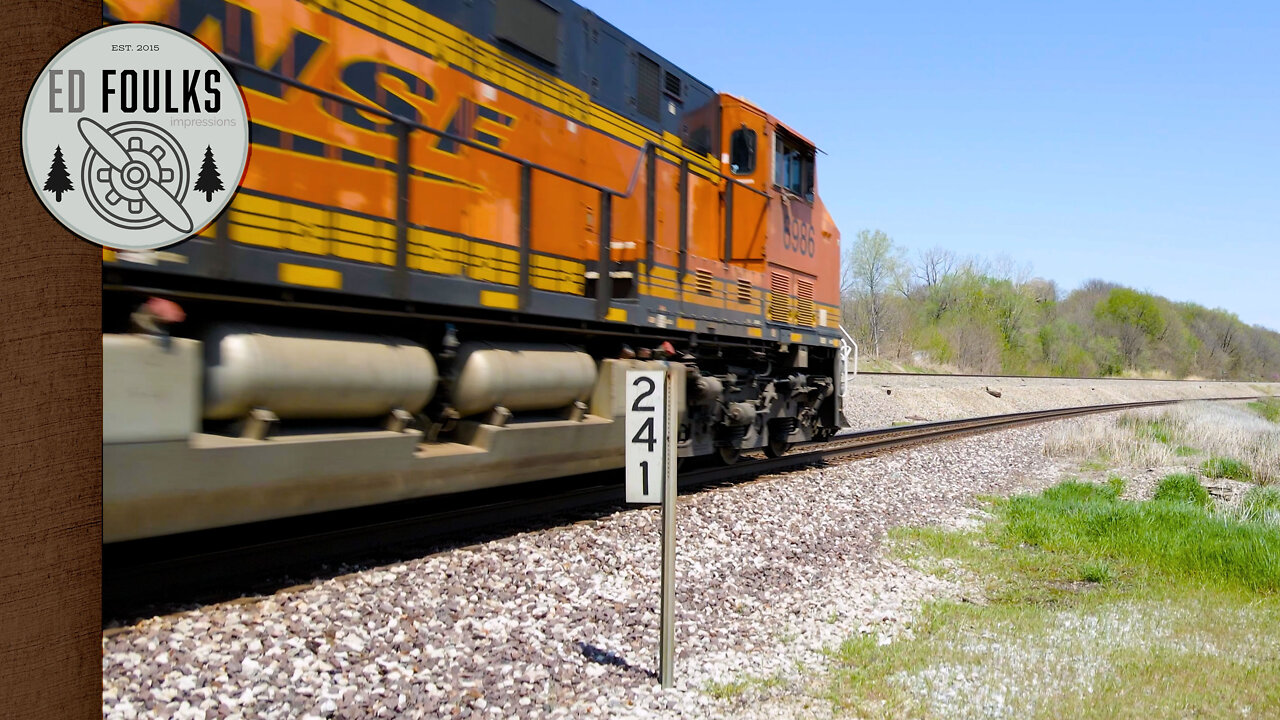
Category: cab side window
<point>793,166</point>
<point>742,151</point>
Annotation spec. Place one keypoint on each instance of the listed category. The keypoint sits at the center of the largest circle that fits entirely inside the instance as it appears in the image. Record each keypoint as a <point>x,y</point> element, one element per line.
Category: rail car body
<point>461,222</point>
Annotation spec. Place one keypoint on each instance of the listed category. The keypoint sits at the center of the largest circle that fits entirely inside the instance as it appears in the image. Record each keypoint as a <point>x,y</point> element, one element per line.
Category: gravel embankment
<point>563,622</point>
<point>880,400</point>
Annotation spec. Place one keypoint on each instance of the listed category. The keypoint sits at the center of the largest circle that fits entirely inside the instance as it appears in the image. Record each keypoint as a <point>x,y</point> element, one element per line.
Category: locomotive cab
<point>786,226</point>
<point>777,226</point>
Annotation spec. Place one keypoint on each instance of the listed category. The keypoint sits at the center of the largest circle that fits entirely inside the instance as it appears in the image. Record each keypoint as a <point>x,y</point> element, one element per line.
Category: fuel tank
<point>313,374</point>
<point>520,377</point>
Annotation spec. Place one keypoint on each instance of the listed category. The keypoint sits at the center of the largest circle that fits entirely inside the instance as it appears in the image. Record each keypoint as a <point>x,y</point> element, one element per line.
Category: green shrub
<point>1220,467</point>
<point>1182,488</point>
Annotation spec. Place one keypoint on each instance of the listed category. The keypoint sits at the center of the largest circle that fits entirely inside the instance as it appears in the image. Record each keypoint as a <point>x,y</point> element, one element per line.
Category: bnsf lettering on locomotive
<point>364,78</point>
<point>290,59</point>
<point>367,81</point>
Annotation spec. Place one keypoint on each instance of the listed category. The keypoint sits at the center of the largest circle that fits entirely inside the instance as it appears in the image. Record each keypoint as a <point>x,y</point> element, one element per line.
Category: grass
<point>726,690</point>
<point>1268,408</point>
<point>1166,438</point>
<point>1223,467</point>
<point>1096,571</point>
<point>1158,429</point>
<point>1116,484</point>
<point>1260,504</point>
<point>1182,488</point>
<point>1093,465</point>
<point>1174,534</point>
<point>736,689</point>
<point>1164,608</point>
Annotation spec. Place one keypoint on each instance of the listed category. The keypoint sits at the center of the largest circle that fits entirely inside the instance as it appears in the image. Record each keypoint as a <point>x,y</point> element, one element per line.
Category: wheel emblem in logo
<point>135,175</point>
<point>135,136</point>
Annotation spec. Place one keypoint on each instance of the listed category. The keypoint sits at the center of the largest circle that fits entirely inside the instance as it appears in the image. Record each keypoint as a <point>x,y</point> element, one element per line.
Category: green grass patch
<point>1115,483</point>
<point>1224,467</point>
<point>734,689</point>
<point>1173,535</point>
<point>726,690</point>
<point>1095,572</point>
<point>1163,608</point>
<point>1094,465</point>
<point>1158,429</point>
<point>1185,451</point>
<point>1182,488</point>
<point>1268,407</point>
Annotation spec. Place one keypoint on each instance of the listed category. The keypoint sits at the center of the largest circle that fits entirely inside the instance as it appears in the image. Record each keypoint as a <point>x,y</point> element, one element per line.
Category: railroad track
<point>158,576</point>
<point>1036,377</point>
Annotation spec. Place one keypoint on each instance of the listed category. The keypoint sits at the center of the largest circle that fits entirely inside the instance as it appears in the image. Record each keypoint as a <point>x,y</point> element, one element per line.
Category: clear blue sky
<point>1138,142</point>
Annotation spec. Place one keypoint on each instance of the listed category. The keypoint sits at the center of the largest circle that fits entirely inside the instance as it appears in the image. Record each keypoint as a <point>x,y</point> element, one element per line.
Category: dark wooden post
<point>50,414</point>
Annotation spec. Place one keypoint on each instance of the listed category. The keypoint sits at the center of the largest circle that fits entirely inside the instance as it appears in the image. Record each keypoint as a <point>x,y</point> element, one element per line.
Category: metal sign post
<point>667,650</point>
<point>652,420</point>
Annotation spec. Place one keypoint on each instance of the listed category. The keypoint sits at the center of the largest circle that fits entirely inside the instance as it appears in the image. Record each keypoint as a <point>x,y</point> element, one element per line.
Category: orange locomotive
<point>512,191</point>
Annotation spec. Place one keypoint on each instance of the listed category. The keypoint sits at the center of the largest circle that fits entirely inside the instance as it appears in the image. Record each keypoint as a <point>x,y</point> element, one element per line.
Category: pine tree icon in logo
<point>59,181</point>
<point>209,181</point>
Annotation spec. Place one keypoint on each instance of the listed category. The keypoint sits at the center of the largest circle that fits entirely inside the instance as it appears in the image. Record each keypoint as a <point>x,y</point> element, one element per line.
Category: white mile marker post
<point>651,424</point>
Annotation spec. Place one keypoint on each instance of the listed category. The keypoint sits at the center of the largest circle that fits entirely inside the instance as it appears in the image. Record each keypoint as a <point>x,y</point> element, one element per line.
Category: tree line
<point>975,315</point>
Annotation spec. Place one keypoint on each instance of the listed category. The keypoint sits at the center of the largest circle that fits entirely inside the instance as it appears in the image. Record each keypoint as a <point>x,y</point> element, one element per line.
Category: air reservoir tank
<point>313,374</point>
<point>520,377</point>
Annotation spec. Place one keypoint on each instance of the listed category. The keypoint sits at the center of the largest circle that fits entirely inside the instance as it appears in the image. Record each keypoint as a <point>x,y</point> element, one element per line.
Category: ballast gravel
<point>563,622</point>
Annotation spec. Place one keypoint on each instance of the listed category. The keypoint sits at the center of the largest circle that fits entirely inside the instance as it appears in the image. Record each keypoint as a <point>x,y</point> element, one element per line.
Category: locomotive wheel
<point>777,447</point>
<point>728,455</point>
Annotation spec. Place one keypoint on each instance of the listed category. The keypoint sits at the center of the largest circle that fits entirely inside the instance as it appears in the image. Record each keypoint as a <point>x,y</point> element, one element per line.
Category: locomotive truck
<point>460,224</point>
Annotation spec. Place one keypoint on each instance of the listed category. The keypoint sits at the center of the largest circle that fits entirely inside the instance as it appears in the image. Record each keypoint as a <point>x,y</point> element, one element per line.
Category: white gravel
<point>563,622</point>
<point>1002,672</point>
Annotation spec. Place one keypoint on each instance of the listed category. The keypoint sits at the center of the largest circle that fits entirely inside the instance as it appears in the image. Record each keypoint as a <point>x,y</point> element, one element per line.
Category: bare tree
<point>874,267</point>
<point>935,264</point>
<point>1006,268</point>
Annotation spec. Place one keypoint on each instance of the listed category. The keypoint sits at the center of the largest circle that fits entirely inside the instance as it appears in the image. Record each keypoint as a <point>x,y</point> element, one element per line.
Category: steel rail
<point>144,577</point>
<point>890,373</point>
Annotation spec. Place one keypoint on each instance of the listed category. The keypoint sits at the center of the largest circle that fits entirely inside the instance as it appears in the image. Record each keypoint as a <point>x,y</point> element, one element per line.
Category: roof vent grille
<point>673,86</point>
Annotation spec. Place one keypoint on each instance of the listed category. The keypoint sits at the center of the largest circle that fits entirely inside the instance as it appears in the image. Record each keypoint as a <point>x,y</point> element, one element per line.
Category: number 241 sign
<point>646,435</point>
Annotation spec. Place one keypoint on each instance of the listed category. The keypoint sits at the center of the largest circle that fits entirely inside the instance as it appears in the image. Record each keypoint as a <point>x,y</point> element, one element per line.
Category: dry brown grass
<point>1183,435</point>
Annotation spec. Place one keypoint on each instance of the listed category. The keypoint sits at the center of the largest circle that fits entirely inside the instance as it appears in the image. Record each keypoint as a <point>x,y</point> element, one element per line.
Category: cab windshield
<point>793,165</point>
